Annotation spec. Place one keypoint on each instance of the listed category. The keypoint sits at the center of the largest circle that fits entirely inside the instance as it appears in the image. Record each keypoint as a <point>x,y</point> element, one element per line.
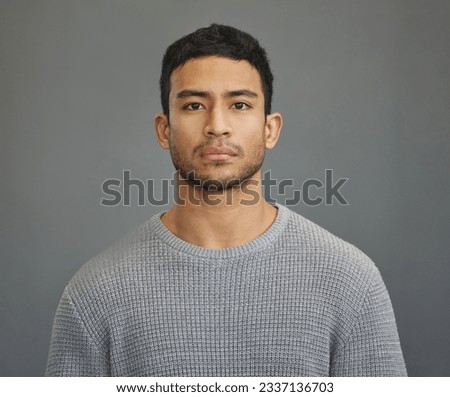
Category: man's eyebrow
<point>242,92</point>
<point>189,93</point>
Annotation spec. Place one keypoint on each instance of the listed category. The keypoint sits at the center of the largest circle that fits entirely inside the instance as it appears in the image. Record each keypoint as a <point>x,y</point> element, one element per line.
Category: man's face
<point>217,122</point>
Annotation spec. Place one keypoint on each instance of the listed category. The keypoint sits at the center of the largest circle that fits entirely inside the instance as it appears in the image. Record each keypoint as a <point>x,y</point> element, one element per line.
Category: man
<point>224,283</point>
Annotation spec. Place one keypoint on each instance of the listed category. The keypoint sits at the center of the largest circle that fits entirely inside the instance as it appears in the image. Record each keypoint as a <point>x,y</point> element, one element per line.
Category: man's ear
<point>274,123</point>
<point>162,130</point>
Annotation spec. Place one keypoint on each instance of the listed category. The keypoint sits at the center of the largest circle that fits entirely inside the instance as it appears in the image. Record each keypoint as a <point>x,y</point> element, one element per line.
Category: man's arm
<point>372,348</point>
<point>73,352</point>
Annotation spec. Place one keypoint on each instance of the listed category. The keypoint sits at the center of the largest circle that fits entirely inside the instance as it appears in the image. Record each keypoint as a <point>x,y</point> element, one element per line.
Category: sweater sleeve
<point>73,352</point>
<point>372,347</point>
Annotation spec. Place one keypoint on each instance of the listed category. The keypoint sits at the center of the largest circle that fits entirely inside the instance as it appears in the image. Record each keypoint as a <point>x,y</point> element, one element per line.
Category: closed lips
<point>219,150</point>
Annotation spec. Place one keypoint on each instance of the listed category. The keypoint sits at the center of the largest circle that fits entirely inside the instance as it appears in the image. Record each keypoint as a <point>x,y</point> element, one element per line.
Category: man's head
<point>216,40</point>
<point>218,127</point>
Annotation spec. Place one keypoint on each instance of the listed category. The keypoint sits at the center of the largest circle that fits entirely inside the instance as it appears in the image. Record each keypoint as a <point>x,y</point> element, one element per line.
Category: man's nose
<point>217,123</point>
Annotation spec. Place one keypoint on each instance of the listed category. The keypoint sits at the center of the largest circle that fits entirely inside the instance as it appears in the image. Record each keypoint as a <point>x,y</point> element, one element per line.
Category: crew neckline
<point>259,243</point>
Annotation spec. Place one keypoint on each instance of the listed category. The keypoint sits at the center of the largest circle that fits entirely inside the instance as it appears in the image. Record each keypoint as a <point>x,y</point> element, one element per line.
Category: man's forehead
<point>219,72</point>
<point>213,61</point>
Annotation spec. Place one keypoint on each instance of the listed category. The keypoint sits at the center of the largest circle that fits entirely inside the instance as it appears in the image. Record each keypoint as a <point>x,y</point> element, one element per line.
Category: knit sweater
<point>295,301</point>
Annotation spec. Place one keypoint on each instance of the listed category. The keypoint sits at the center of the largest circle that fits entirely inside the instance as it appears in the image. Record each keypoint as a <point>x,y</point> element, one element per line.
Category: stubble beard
<point>207,182</point>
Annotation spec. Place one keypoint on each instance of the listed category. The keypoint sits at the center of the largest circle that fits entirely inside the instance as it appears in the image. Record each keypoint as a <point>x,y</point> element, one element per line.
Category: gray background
<point>364,87</point>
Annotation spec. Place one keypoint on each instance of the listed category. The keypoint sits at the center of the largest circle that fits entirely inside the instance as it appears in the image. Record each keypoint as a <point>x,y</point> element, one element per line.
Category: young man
<point>224,283</point>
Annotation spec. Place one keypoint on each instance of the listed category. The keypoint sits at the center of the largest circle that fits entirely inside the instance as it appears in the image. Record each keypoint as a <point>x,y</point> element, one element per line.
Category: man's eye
<point>241,106</point>
<point>193,106</point>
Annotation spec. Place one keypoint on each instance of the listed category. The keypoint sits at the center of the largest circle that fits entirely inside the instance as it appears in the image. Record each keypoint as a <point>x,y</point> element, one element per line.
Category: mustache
<point>219,143</point>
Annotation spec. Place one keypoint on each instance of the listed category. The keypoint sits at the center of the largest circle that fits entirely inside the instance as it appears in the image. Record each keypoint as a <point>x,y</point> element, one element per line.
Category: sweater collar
<point>261,242</point>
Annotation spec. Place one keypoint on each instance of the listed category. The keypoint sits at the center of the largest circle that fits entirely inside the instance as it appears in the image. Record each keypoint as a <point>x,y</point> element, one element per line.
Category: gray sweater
<point>296,301</point>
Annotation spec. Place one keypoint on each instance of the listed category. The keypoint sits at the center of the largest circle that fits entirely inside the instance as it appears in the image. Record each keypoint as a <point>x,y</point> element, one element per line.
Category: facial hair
<point>250,166</point>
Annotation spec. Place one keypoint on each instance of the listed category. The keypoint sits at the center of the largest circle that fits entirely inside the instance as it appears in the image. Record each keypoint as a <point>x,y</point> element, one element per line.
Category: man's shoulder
<point>324,250</point>
<point>331,265</point>
<point>114,267</point>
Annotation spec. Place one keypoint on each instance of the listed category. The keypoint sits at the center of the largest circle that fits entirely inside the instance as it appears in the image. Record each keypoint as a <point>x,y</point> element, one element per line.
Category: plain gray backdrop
<point>364,88</point>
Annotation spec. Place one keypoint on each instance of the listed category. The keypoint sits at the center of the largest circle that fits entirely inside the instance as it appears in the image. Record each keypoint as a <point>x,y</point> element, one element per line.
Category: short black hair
<point>220,40</point>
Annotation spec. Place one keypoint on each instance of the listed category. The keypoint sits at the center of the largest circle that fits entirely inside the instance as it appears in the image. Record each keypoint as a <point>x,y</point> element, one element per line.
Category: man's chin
<point>221,181</point>
<point>214,184</point>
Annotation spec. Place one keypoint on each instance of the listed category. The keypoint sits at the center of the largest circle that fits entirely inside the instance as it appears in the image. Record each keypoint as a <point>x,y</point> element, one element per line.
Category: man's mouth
<point>218,153</point>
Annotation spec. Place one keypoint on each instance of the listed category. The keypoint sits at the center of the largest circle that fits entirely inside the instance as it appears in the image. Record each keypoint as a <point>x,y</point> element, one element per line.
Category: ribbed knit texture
<point>296,301</point>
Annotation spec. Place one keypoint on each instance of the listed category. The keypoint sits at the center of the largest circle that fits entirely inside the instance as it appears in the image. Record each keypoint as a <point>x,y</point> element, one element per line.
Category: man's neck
<point>218,220</point>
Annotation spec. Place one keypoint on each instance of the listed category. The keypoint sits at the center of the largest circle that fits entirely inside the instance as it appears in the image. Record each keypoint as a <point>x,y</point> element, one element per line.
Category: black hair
<point>219,40</point>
